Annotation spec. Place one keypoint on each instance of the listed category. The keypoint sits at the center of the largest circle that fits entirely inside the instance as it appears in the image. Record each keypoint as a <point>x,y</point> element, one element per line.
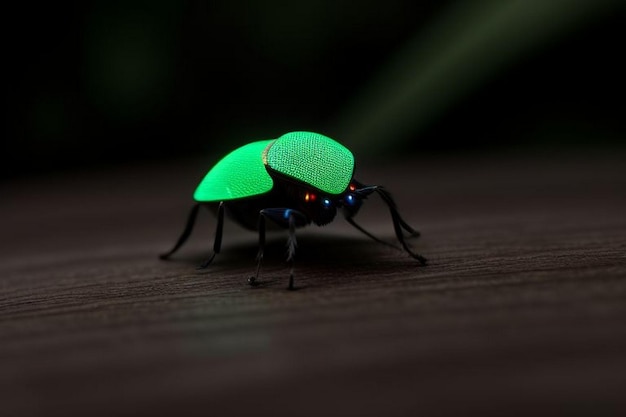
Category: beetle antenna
<point>217,243</point>
<point>191,220</point>
<point>398,223</point>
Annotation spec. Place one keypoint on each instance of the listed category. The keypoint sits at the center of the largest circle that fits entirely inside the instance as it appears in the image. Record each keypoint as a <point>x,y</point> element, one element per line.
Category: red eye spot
<point>352,187</point>
<point>312,196</point>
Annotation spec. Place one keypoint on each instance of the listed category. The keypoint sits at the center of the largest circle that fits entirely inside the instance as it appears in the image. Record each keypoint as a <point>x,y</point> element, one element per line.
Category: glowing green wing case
<point>311,158</point>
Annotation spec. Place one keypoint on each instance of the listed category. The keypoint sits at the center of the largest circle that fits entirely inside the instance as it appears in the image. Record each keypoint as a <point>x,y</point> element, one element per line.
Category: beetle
<point>295,180</point>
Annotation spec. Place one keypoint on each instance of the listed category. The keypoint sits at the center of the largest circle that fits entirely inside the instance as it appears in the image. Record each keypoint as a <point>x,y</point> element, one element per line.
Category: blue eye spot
<point>350,199</point>
<point>326,202</point>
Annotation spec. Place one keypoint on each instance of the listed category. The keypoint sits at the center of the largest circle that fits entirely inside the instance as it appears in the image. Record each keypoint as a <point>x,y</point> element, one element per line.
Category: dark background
<point>114,82</point>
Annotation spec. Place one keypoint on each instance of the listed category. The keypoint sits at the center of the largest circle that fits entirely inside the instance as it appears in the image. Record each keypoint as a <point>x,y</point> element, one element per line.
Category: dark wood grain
<point>521,311</point>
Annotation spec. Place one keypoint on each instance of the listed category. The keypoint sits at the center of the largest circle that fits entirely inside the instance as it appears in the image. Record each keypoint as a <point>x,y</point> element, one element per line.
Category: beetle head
<point>322,209</point>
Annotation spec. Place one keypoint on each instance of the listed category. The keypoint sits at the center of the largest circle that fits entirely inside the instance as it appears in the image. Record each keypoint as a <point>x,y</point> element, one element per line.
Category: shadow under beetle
<point>297,179</point>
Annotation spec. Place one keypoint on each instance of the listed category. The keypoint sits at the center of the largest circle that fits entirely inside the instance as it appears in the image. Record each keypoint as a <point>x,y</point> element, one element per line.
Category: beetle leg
<point>279,215</point>
<point>217,243</point>
<point>191,220</point>
<point>386,196</point>
<point>412,232</point>
<point>259,257</point>
<point>365,232</point>
<point>364,191</point>
<point>291,248</point>
<point>398,224</point>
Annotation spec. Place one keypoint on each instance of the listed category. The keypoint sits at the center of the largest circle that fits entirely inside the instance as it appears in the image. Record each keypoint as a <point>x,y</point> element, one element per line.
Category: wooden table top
<point>521,310</point>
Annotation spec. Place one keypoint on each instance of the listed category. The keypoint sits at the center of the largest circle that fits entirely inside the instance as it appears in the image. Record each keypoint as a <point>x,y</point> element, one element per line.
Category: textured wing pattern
<point>313,159</point>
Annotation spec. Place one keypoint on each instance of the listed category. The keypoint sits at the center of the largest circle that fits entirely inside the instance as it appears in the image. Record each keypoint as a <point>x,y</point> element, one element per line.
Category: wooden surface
<point>521,311</point>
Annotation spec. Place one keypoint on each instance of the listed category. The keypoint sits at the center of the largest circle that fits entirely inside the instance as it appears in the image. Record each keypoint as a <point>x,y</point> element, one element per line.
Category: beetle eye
<point>326,202</point>
<point>350,199</point>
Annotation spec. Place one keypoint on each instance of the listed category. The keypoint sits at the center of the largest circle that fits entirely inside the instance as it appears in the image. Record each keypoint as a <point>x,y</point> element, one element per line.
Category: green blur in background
<point>104,83</point>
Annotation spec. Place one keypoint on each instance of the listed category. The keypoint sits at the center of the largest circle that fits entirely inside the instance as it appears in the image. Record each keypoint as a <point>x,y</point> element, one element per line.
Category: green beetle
<point>295,180</point>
